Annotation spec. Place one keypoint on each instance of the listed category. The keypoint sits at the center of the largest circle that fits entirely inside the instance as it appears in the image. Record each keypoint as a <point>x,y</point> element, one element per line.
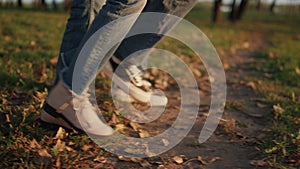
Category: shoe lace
<point>82,101</point>
<point>136,77</point>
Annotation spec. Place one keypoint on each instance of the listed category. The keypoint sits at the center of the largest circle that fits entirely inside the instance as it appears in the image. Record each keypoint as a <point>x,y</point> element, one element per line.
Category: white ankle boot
<point>73,112</point>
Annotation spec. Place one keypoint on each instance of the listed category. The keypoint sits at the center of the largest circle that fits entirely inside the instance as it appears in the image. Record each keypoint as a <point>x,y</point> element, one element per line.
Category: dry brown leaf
<point>165,142</point>
<point>100,159</point>
<point>196,72</point>
<point>114,119</point>
<point>122,158</point>
<point>278,109</point>
<point>199,158</point>
<point>44,153</point>
<point>161,167</point>
<point>178,159</point>
<point>297,70</point>
<point>4,101</point>
<point>86,147</point>
<point>34,144</point>
<point>143,134</point>
<point>7,118</point>
<point>60,145</point>
<point>120,127</point>
<point>259,163</point>
<point>58,163</point>
<point>69,149</point>
<point>260,105</point>
<point>252,85</point>
<point>32,43</point>
<point>54,61</point>
<point>145,164</point>
<point>71,143</point>
<point>226,66</point>
<point>134,125</point>
<point>61,133</point>
<point>214,159</point>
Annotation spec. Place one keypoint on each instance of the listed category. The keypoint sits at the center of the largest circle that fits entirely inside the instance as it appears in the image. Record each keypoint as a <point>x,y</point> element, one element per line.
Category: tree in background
<point>54,4</point>
<point>43,4</point>
<point>217,10</point>
<point>232,15</point>
<point>258,5</point>
<point>272,6</point>
<point>237,11</point>
<point>20,3</point>
<point>242,8</point>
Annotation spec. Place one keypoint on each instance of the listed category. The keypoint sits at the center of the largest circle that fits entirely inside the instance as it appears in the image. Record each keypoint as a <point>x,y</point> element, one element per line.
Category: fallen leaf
<point>60,145</point>
<point>278,109</point>
<point>297,70</point>
<point>199,158</point>
<point>32,43</point>
<point>61,133</point>
<point>252,85</point>
<point>143,134</point>
<point>259,163</point>
<point>246,45</point>
<point>44,153</point>
<point>34,144</point>
<point>100,159</point>
<point>271,55</point>
<point>120,127</point>
<point>58,163</point>
<point>134,125</point>
<point>178,159</point>
<point>122,158</point>
<point>165,142</point>
<point>86,147</point>
<point>261,105</point>
<point>161,167</point>
<point>114,119</point>
<point>54,61</point>
<point>214,159</point>
<point>145,164</point>
<point>69,149</point>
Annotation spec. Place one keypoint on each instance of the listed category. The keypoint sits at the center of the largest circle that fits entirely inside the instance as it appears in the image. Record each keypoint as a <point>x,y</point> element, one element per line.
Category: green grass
<point>30,39</point>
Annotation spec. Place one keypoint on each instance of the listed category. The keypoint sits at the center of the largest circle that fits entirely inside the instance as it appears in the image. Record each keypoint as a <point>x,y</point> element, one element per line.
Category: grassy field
<point>30,39</point>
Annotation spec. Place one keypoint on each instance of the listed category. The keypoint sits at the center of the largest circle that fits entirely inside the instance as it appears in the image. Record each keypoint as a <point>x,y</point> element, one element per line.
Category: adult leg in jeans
<point>61,107</point>
<point>174,7</point>
<point>82,15</point>
<point>141,88</point>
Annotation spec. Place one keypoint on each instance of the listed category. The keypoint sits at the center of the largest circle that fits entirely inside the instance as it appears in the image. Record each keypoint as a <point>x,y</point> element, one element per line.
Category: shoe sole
<point>51,116</point>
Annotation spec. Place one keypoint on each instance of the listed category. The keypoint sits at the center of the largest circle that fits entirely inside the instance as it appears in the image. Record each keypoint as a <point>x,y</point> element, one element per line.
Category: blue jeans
<point>87,16</point>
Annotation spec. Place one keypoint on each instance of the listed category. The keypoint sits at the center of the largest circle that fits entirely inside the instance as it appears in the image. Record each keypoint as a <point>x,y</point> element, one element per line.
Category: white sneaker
<point>134,83</point>
<point>73,112</point>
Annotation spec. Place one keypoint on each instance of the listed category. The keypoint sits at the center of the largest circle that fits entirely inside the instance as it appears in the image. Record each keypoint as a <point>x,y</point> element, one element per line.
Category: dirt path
<point>244,123</point>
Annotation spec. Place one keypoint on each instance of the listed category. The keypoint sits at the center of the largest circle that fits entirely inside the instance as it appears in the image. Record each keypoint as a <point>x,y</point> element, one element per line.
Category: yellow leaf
<point>44,153</point>
<point>178,159</point>
<point>143,134</point>
<point>61,133</point>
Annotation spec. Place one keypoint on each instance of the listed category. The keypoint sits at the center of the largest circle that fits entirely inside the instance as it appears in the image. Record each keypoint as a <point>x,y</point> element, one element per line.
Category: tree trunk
<point>43,4</point>
<point>242,8</point>
<point>54,4</point>
<point>217,11</point>
<point>272,6</point>
<point>258,5</point>
<point>20,3</point>
<point>233,12</point>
